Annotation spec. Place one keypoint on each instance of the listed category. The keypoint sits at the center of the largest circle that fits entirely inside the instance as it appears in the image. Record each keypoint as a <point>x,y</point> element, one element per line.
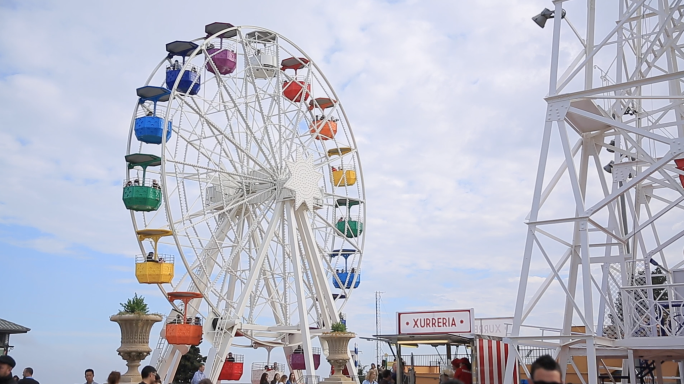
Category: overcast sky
<point>445,99</point>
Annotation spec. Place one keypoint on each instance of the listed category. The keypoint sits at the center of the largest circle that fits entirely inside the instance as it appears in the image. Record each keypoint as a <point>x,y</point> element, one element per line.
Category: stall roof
<point>10,327</point>
<point>442,338</point>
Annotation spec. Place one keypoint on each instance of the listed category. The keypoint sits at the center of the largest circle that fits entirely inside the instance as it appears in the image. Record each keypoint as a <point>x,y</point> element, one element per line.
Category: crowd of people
<point>378,375</point>
<point>148,374</point>
<point>7,363</point>
<point>278,379</point>
<point>543,370</point>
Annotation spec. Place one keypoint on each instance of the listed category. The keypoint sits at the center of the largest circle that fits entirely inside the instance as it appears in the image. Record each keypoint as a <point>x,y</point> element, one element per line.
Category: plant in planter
<point>136,323</point>
<point>338,327</point>
<point>338,348</point>
<point>134,306</point>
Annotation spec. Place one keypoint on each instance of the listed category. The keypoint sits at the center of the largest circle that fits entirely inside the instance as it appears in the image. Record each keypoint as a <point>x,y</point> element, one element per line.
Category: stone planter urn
<point>135,340</point>
<point>338,353</point>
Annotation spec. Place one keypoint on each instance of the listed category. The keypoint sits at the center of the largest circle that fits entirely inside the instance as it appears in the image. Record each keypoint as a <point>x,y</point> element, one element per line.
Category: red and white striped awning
<point>491,362</point>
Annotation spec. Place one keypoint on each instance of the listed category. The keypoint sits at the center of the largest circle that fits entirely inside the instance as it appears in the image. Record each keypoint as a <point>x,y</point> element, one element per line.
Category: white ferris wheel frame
<point>166,356</point>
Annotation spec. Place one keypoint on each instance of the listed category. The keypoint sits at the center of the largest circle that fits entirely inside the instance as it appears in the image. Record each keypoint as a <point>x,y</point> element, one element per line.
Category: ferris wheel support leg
<point>259,261</point>
<point>299,288</point>
<point>174,365</point>
<point>224,344</point>
<point>314,260</point>
<point>235,262</point>
<point>278,312</point>
<point>167,369</point>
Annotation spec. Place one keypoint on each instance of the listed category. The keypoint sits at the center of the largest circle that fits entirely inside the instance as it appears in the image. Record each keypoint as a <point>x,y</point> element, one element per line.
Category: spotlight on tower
<point>609,167</point>
<point>546,14</point>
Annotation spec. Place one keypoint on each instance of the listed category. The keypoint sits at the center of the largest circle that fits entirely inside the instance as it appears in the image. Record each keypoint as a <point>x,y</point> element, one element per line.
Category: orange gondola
<point>323,129</point>
<point>184,331</point>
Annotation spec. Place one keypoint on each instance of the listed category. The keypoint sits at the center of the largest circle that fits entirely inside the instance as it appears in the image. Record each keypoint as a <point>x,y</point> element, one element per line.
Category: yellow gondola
<point>154,268</point>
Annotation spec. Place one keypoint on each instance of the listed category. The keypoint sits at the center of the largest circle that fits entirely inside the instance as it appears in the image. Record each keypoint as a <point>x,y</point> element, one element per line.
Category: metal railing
<point>529,354</point>
<point>259,369</point>
<point>308,379</point>
<point>161,258</point>
<point>430,360</point>
<point>236,358</point>
<point>147,109</point>
<point>652,310</point>
<point>345,217</point>
<point>138,182</point>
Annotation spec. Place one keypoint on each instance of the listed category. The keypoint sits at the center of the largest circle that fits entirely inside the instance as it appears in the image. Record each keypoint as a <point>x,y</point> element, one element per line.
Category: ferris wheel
<point>246,194</point>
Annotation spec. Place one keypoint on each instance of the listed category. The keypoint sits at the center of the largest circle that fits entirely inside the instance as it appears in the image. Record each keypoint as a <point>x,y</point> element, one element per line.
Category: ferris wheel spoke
<point>263,115</point>
<point>200,277</point>
<point>228,117</point>
<point>248,127</point>
<point>327,161</point>
<point>236,145</point>
<point>268,284</point>
<point>209,216</point>
<point>218,171</point>
<point>293,138</point>
<point>335,196</point>
<point>198,263</point>
<point>329,224</point>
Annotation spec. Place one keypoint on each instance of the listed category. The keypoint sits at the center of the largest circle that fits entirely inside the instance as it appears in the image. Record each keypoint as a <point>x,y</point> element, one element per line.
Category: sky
<point>445,99</point>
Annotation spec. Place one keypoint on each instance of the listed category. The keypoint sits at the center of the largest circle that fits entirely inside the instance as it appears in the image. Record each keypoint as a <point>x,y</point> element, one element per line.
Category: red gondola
<point>232,368</point>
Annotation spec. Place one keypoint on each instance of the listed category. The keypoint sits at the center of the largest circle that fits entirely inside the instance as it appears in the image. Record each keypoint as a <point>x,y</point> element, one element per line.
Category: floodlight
<point>609,167</point>
<point>546,14</point>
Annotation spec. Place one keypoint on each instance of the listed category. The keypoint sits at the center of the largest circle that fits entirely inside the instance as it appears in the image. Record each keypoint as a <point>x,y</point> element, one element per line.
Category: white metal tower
<point>606,224</point>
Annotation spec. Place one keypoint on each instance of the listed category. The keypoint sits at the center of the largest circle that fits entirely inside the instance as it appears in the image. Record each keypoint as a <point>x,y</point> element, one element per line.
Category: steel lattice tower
<point>605,228</point>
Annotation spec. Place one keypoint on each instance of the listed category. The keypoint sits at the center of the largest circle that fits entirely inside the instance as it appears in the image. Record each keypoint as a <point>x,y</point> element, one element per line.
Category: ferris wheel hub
<point>303,181</point>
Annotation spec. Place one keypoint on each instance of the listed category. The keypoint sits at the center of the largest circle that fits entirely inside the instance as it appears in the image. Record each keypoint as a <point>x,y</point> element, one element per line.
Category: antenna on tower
<point>378,328</point>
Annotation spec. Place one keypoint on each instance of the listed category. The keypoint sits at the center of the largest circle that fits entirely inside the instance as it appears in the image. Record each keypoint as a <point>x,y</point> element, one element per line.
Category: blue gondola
<point>149,129</point>
<point>347,279</point>
<point>190,79</point>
